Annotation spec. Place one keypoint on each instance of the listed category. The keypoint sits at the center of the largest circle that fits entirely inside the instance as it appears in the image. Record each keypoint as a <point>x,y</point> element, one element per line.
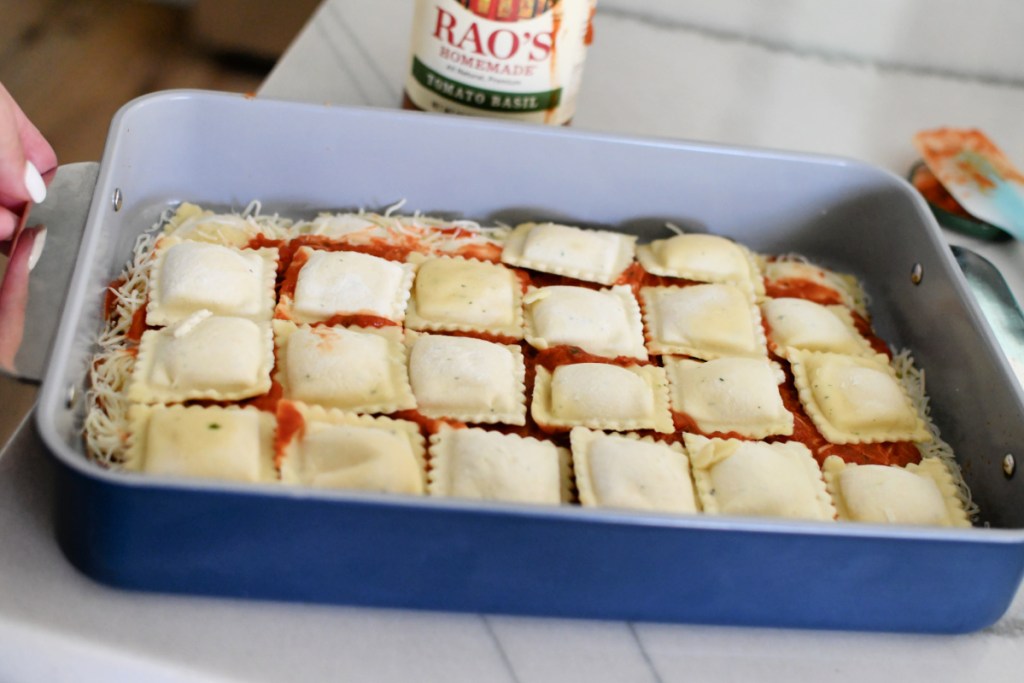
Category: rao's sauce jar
<point>516,59</point>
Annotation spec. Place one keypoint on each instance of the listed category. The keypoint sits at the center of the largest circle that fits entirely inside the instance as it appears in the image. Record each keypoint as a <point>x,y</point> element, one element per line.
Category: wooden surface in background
<point>71,64</point>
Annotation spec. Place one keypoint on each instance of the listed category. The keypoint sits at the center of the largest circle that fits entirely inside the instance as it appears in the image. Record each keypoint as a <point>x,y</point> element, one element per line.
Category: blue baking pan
<point>158,534</point>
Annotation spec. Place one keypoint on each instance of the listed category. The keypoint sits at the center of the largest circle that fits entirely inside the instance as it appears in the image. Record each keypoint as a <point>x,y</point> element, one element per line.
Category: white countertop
<point>856,79</point>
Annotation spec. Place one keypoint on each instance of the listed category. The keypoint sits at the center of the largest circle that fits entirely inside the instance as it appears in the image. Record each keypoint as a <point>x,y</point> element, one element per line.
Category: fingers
<point>35,147</point>
<point>14,299</point>
<point>25,156</point>
<point>8,221</point>
<point>12,157</point>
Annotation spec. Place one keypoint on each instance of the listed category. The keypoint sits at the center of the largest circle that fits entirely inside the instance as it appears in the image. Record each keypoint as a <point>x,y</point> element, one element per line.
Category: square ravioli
<point>760,479</point>
<point>357,369</point>
<point>604,322</point>
<point>230,444</point>
<point>460,294</point>
<point>809,326</point>
<point>703,321</point>
<point>203,357</point>
<point>189,276</point>
<point>624,471</point>
<point>730,395</point>
<point>592,255</point>
<point>852,399</point>
<point>193,223</point>
<point>794,277</point>
<point>702,258</point>
<point>602,396</point>
<point>338,283</point>
<point>337,450</point>
<point>467,379</point>
<point>921,493</point>
<point>474,463</point>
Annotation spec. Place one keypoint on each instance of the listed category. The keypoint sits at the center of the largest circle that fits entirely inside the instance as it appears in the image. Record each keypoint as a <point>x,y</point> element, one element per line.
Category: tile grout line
<point>841,58</point>
<point>339,57</point>
<point>644,653</point>
<point>501,649</point>
<point>368,56</point>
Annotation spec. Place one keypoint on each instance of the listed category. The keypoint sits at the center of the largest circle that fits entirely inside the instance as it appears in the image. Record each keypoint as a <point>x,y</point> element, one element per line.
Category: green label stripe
<point>479,98</point>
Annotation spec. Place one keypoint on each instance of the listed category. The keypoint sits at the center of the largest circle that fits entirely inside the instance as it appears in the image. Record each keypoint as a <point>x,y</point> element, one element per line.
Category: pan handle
<point>25,340</point>
<point>997,303</point>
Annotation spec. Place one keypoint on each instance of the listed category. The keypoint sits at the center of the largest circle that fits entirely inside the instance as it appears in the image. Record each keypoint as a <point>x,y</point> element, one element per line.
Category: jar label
<point>519,59</point>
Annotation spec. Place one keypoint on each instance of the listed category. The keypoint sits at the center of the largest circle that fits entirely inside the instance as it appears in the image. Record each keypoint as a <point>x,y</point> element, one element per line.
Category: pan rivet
<point>916,274</point>
<point>1009,465</point>
<point>69,400</point>
<point>118,199</point>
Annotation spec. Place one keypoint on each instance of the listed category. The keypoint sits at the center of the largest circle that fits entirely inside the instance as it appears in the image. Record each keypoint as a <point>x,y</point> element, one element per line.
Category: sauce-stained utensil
<point>978,175</point>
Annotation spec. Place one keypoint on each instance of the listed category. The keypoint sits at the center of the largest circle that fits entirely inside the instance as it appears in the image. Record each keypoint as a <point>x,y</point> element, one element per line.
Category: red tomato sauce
<point>486,251</point>
<point>866,331</point>
<point>110,298</point>
<point>885,453</point>
<point>357,320</point>
<point>291,274</point>
<point>800,288</point>
<point>269,401</point>
<point>473,334</point>
<point>427,425</point>
<point>684,423</point>
<point>551,358</point>
<point>538,279</point>
<point>290,425</point>
<point>138,325</point>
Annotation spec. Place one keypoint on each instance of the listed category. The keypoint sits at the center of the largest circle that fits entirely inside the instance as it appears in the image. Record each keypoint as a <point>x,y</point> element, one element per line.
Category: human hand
<point>27,164</point>
<point>26,158</point>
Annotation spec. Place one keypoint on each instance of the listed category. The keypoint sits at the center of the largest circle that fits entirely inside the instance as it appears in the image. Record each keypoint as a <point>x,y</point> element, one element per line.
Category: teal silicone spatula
<point>978,175</point>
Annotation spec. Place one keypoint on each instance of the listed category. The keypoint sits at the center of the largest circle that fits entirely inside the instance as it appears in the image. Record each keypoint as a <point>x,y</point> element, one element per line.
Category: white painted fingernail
<point>37,248</point>
<point>34,183</point>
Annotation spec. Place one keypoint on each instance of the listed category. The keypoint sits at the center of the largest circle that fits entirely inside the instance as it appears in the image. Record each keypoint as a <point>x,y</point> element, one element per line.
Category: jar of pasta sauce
<point>516,59</point>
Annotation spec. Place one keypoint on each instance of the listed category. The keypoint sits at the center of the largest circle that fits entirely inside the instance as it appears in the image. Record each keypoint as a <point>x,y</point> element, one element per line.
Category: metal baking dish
<point>337,547</point>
